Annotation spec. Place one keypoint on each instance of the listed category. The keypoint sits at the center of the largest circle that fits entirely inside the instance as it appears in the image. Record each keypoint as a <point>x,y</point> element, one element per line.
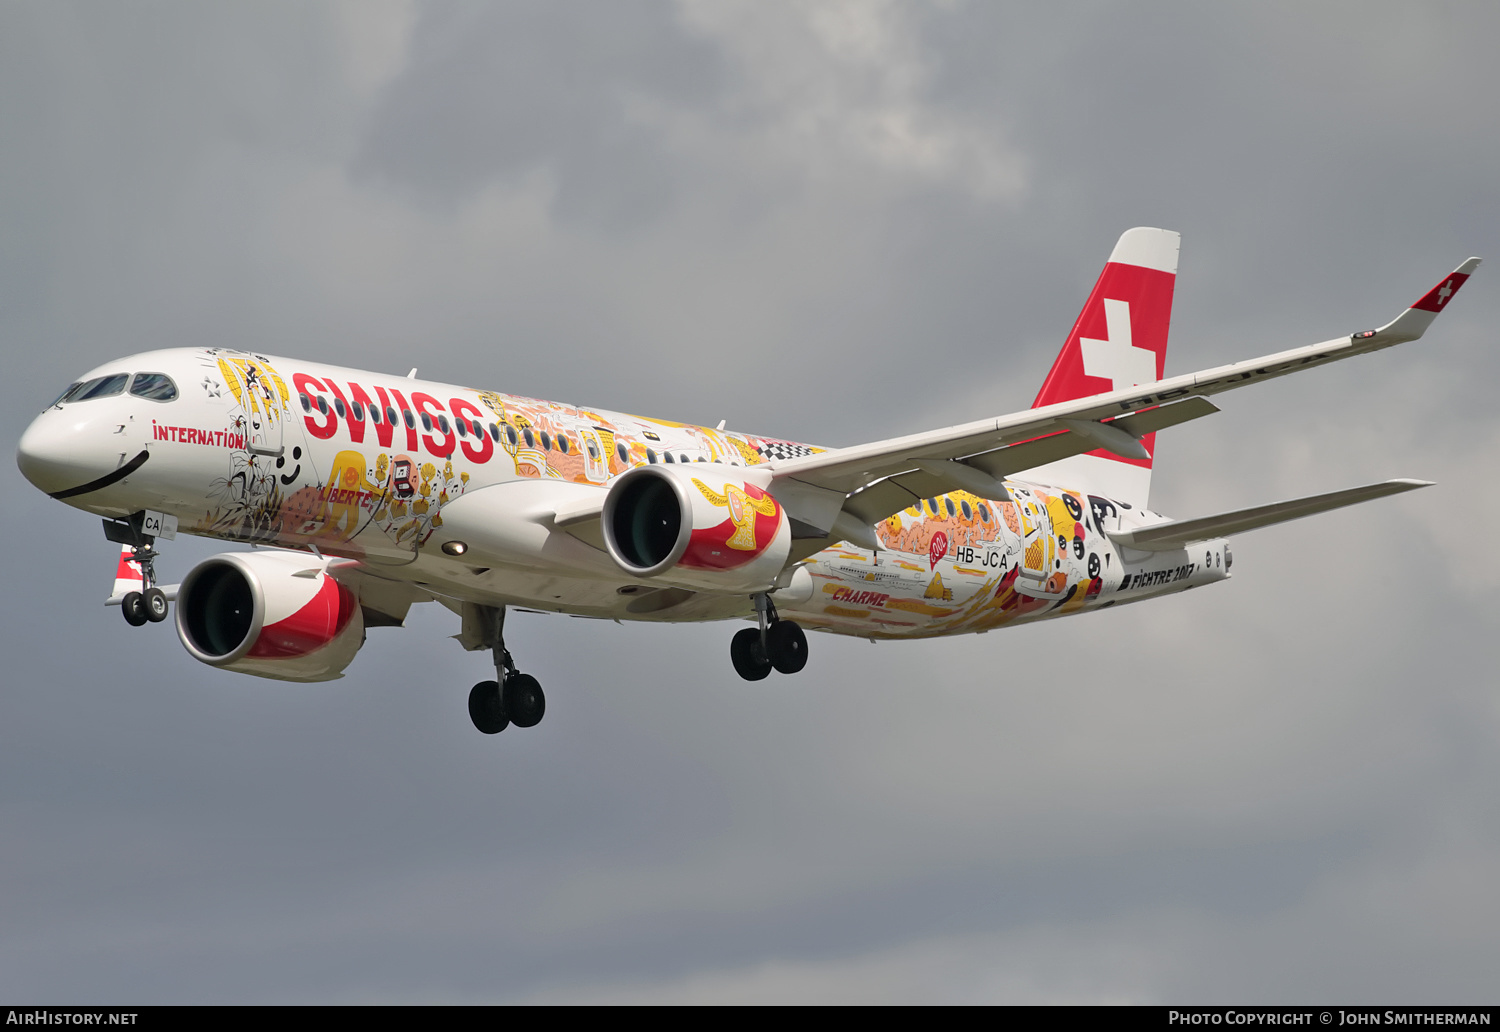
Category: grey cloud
<point>1277,789</point>
<point>496,92</point>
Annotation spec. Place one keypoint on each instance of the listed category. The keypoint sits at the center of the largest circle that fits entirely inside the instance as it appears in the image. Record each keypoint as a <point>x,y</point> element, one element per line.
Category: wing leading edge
<point>865,483</point>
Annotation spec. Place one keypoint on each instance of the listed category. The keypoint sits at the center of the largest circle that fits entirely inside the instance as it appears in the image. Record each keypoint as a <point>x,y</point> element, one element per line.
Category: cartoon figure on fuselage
<point>383,491</point>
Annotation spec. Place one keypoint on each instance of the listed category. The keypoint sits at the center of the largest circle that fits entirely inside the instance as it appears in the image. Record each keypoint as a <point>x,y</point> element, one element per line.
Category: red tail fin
<point>1119,340</point>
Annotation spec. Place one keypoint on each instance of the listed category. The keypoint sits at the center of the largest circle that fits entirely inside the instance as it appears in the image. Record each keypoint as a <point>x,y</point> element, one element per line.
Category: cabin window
<point>442,422</point>
<point>390,415</point>
<point>546,441</point>
<point>306,403</point>
<point>621,452</point>
<point>153,387</point>
<point>359,410</point>
<point>426,421</point>
<point>463,428</point>
<point>338,406</point>
<point>477,427</point>
<point>322,404</point>
<point>409,419</point>
<point>495,433</point>
<point>984,512</point>
<point>562,443</point>
<point>968,512</point>
<point>651,456</point>
<point>667,457</point>
<point>510,435</point>
<point>374,413</point>
<point>530,437</point>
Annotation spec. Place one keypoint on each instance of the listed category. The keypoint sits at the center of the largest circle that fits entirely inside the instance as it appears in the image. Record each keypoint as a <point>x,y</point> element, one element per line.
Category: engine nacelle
<point>707,527</point>
<point>271,614</point>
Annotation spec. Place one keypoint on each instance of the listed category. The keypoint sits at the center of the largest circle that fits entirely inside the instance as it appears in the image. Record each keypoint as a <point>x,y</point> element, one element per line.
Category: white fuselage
<point>287,453</point>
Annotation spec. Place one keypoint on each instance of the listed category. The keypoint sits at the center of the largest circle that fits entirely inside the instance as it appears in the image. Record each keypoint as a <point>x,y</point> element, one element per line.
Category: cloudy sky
<point>833,222</point>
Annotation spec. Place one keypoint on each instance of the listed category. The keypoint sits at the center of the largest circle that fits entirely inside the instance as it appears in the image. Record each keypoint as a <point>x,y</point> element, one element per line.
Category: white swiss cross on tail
<point>1119,340</point>
<point>1117,359</point>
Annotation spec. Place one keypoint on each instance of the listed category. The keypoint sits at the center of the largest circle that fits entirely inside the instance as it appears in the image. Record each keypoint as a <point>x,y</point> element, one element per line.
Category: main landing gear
<point>515,698</point>
<point>775,643</point>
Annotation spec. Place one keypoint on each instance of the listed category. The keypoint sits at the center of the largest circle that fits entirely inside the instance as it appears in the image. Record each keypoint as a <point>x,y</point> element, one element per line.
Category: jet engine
<point>272,614</point>
<point>707,527</point>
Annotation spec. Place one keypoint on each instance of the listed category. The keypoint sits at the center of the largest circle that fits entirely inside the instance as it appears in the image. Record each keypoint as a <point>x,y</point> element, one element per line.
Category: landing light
<point>455,547</point>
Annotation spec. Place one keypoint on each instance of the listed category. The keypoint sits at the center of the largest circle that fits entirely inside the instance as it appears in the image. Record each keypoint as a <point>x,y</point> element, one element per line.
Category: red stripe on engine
<point>310,628</point>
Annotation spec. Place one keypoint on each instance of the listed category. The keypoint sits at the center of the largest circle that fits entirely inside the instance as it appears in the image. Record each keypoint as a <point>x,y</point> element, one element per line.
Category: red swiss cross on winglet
<point>1438,297</point>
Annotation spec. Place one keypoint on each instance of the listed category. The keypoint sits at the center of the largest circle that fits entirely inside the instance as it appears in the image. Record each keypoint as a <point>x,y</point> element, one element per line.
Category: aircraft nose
<point>58,457</point>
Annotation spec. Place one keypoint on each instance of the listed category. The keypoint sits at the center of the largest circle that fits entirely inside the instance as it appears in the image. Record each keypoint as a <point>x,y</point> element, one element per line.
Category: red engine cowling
<point>272,614</point>
<point>708,527</point>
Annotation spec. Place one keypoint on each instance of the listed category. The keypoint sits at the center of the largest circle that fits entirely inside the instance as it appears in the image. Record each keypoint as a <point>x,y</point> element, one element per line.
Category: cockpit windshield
<point>67,393</point>
<point>152,386</point>
<point>99,387</point>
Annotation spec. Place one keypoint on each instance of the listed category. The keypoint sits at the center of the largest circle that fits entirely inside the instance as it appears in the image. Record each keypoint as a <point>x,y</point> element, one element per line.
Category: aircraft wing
<point>888,475</point>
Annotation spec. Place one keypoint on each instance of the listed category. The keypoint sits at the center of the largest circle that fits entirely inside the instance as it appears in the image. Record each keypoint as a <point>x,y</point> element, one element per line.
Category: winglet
<point>1413,322</point>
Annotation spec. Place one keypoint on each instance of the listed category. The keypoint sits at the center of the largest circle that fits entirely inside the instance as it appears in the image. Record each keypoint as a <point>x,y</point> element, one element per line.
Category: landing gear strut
<point>776,643</point>
<point>148,605</point>
<point>514,697</point>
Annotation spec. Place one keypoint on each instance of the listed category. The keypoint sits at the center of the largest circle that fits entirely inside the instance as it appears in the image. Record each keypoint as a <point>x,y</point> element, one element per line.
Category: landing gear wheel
<point>749,655</point>
<point>787,645</point>
<point>133,607</point>
<point>524,701</point>
<point>155,602</point>
<point>485,709</point>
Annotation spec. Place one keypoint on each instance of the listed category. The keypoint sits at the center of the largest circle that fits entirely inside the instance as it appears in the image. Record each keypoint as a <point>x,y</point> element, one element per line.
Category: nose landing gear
<point>514,697</point>
<point>149,605</point>
<point>776,644</point>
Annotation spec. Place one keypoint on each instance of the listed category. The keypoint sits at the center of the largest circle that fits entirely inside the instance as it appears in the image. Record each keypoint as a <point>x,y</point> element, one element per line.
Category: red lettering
<point>411,430</point>
<point>308,385</point>
<point>359,397</point>
<point>461,410</point>
<point>445,449</point>
<point>385,429</point>
<point>356,427</point>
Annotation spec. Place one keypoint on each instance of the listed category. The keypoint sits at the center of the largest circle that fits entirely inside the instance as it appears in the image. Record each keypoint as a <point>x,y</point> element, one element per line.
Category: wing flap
<point>1169,536</point>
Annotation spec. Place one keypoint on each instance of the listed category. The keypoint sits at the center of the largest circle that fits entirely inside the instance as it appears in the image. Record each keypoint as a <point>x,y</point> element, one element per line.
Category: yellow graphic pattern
<point>742,512</point>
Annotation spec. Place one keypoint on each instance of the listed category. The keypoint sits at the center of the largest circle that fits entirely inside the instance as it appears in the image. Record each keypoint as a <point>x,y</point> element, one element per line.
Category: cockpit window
<point>153,387</point>
<point>99,387</point>
<point>67,394</point>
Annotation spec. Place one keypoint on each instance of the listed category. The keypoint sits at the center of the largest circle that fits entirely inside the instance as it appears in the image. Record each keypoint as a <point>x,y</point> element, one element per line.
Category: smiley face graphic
<point>287,479</point>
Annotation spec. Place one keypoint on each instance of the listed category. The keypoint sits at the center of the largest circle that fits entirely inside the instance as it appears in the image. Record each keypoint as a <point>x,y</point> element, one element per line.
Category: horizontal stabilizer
<point>1167,536</point>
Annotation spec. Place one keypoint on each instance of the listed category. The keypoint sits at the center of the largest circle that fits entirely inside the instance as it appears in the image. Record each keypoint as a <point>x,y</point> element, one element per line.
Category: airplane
<point>362,493</point>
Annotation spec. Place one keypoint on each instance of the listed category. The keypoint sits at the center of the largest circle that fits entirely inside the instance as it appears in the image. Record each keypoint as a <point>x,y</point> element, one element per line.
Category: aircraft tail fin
<point>1176,534</point>
<point>1118,341</point>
